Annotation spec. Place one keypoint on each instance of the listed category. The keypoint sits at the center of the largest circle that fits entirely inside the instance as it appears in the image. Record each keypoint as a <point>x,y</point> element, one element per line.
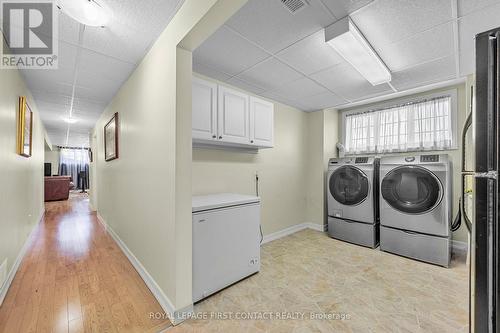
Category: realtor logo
<point>30,34</point>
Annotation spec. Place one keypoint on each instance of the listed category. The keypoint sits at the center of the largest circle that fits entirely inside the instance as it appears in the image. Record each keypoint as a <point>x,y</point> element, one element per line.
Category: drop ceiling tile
<point>41,96</point>
<point>466,7</point>
<point>322,101</point>
<point>311,54</point>
<point>105,93</point>
<point>68,29</point>
<point>210,72</point>
<point>153,15</point>
<point>270,74</point>
<point>118,41</point>
<point>273,27</point>
<point>92,106</point>
<point>300,88</point>
<point>227,52</point>
<point>431,72</point>
<point>104,66</point>
<point>467,62</point>
<point>342,8</point>
<point>41,79</point>
<point>39,84</point>
<point>422,47</point>
<point>134,26</point>
<point>386,21</point>
<point>67,56</point>
<point>471,25</point>
<point>283,100</point>
<point>346,82</point>
<point>245,86</point>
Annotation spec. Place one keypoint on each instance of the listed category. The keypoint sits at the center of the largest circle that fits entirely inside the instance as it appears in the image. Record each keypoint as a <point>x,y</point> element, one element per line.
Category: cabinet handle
<point>214,136</point>
<point>220,137</point>
<point>251,141</point>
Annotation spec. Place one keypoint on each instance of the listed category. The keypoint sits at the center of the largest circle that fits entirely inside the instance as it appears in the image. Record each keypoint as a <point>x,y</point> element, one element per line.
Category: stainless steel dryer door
<point>412,199</point>
<point>350,193</point>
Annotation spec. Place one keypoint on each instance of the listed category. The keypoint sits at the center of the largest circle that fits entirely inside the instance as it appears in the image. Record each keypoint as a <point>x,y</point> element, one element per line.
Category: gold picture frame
<point>25,128</point>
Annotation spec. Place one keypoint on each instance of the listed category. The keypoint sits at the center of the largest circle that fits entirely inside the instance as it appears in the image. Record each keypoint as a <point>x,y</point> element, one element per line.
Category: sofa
<point>57,188</point>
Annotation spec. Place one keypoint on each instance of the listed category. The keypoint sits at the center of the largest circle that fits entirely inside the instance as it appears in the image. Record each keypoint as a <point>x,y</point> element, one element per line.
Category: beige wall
<point>21,179</point>
<point>463,109</point>
<point>314,167</point>
<point>282,171</point>
<point>140,195</point>
<point>52,157</point>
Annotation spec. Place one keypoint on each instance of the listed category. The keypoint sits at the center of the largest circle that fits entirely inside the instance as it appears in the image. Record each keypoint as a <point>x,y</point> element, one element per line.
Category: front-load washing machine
<point>353,200</point>
<point>415,207</point>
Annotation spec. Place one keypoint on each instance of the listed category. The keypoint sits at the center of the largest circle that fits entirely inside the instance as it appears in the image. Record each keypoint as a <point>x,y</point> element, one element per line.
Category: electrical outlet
<point>3,272</point>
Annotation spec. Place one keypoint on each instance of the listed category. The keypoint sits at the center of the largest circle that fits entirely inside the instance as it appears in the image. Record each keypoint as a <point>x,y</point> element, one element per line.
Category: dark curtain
<point>72,162</point>
<point>74,172</point>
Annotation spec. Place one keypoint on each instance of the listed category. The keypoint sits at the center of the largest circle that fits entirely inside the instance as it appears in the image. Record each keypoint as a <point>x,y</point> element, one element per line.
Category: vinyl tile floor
<point>311,283</point>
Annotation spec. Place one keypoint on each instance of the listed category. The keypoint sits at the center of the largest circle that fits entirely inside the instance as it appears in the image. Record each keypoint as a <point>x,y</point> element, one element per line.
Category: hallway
<point>75,278</point>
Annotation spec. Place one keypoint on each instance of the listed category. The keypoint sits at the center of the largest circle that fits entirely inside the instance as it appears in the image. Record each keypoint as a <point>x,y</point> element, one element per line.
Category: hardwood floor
<point>75,278</point>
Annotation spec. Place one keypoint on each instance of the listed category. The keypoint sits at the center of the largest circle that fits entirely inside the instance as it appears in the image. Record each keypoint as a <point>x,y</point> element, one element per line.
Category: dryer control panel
<point>429,158</point>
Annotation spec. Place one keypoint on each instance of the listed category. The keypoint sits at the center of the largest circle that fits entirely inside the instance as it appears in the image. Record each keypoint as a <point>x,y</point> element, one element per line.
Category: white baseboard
<point>175,316</point>
<point>315,226</point>
<point>291,230</point>
<point>12,273</point>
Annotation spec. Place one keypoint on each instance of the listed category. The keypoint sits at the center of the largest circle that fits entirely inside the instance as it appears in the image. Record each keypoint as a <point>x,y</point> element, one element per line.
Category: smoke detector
<point>294,6</point>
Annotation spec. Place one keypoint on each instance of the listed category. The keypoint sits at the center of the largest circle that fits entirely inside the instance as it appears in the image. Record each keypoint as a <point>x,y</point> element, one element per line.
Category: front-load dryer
<point>415,207</point>
<point>352,186</point>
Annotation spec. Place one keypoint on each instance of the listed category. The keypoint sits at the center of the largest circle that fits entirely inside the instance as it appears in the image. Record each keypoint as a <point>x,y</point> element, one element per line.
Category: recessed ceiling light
<point>350,43</point>
<point>70,120</point>
<point>93,13</point>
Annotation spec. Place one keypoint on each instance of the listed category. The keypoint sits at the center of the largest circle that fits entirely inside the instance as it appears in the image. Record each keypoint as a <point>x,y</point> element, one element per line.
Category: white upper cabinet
<point>226,117</point>
<point>234,116</point>
<point>204,110</point>
<point>261,122</point>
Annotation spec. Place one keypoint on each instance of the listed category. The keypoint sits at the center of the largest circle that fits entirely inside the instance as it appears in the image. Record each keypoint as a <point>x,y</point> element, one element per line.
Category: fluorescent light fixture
<point>348,41</point>
<point>92,13</point>
<point>70,120</point>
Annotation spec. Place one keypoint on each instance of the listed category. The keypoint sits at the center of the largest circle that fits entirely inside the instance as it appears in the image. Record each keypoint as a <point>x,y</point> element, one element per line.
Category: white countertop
<point>221,200</point>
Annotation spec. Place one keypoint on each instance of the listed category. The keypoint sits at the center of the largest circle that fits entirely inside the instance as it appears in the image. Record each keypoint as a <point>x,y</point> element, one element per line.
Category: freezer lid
<point>221,200</point>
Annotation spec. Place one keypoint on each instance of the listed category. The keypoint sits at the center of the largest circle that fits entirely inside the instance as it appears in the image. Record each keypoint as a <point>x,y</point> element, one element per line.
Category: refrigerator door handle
<point>489,175</point>
<point>461,205</point>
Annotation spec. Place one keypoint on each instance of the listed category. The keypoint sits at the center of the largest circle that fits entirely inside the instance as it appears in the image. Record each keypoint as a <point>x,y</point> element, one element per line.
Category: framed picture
<point>24,129</point>
<point>111,139</point>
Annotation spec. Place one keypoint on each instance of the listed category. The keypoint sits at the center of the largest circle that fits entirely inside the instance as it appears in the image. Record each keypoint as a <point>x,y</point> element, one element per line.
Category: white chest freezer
<point>226,241</point>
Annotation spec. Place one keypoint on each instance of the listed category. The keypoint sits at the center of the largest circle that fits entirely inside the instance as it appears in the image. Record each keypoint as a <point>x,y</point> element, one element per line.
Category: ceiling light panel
<point>348,41</point>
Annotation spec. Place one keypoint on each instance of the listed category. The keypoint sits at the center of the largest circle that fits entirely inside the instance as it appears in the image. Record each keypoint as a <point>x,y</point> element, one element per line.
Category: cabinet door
<point>233,116</point>
<point>261,122</point>
<point>204,110</point>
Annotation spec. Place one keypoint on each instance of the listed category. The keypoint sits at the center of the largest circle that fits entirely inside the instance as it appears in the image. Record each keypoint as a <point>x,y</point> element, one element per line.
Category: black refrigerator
<point>484,226</point>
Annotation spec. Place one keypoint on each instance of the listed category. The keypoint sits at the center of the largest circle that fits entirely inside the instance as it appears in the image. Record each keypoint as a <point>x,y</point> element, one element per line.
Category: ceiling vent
<point>294,6</point>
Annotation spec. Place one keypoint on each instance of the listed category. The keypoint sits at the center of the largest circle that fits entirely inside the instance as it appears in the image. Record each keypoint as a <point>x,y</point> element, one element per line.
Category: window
<point>72,162</point>
<point>424,124</point>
